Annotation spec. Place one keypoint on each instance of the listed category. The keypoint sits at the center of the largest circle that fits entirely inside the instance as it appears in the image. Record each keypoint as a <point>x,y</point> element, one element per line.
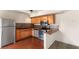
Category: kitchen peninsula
<point>29,27</point>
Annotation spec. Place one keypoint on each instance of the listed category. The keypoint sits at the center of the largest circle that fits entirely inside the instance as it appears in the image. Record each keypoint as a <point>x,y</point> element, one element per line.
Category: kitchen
<point>39,29</point>
<point>19,28</point>
<point>28,32</point>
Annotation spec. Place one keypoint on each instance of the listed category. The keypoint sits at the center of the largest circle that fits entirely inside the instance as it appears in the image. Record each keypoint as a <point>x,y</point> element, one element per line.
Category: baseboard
<point>67,43</point>
<point>7,45</point>
<point>37,38</point>
<point>16,41</point>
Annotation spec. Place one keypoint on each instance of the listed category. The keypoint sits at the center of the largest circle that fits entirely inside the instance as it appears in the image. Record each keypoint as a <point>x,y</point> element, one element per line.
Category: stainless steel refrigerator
<point>7,31</point>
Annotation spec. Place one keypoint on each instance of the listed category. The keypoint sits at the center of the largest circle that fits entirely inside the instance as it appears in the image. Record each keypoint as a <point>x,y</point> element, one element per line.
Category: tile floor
<point>61,45</point>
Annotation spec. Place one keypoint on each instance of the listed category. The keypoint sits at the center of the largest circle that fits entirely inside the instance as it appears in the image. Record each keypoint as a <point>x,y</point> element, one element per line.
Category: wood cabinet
<point>17,34</point>
<point>23,33</point>
<point>35,20</point>
<point>42,18</point>
<point>49,18</point>
<point>26,33</point>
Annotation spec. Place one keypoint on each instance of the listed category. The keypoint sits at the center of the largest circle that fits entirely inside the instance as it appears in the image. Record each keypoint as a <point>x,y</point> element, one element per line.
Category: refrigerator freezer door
<point>7,23</point>
<point>12,23</point>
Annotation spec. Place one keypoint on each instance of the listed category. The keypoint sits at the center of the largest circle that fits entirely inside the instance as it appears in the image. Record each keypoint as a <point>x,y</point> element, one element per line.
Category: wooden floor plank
<point>30,43</point>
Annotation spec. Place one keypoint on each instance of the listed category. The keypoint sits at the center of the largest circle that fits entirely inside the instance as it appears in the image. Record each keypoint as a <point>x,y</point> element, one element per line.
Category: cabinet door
<point>51,19</point>
<point>25,33</point>
<point>43,18</point>
<point>17,34</point>
<point>35,20</point>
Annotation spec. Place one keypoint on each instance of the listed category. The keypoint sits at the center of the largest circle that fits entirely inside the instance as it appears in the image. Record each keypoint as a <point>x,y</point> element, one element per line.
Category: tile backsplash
<point>54,26</point>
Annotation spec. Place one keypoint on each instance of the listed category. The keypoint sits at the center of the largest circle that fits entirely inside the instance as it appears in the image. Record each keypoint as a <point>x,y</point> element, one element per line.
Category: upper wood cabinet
<point>42,18</point>
<point>49,18</point>
<point>35,20</point>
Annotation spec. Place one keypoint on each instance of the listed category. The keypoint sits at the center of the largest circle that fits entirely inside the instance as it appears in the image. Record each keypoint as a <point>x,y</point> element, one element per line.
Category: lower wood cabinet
<point>23,33</point>
<point>17,34</point>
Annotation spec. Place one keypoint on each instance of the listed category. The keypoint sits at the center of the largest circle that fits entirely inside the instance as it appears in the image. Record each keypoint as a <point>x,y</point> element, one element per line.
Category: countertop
<point>23,25</point>
<point>35,27</point>
<point>52,31</point>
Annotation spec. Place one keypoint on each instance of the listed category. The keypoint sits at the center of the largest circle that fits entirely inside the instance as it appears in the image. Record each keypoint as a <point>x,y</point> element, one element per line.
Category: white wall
<point>17,16</point>
<point>69,27</point>
<point>0,37</point>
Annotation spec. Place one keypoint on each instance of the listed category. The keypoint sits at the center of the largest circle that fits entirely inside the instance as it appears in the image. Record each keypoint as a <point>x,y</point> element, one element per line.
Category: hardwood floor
<point>30,43</point>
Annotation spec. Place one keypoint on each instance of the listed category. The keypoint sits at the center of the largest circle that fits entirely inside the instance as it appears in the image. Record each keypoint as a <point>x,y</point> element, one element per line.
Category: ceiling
<point>34,13</point>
